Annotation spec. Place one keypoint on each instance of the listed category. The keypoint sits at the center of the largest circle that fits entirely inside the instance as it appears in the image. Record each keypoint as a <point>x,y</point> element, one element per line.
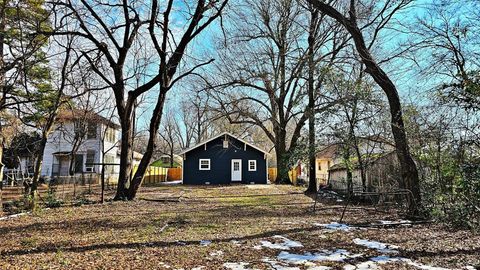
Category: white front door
<point>236,170</point>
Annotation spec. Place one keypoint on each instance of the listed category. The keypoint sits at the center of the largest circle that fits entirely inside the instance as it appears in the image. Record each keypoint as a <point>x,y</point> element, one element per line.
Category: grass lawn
<point>228,227</point>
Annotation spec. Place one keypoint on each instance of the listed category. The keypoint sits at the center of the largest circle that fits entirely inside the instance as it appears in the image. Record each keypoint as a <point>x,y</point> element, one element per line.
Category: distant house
<point>224,159</point>
<point>382,173</point>
<point>325,158</point>
<point>94,134</point>
<point>330,157</point>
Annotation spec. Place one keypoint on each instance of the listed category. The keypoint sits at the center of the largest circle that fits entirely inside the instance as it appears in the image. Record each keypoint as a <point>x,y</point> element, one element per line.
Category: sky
<point>405,74</point>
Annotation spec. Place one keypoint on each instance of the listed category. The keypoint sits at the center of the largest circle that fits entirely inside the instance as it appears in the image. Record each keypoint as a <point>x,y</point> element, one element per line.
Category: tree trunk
<point>1,170</point>
<point>2,89</point>
<point>38,170</point>
<point>282,164</point>
<point>126,165</point>
<point>312,177</point>
<point>38,165</point>
<point>151,146</point>
<point>408,167</point>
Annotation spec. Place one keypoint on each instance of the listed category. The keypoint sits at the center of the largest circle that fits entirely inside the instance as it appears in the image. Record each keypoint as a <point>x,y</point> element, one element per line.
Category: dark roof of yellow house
<point>330,151</point>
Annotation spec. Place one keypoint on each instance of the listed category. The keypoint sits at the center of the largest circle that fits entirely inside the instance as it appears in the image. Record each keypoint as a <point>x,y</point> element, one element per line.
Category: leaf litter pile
<point>228,227</point>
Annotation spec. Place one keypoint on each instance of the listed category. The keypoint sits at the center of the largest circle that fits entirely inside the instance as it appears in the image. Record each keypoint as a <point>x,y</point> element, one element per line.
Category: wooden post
<point>102,183</point>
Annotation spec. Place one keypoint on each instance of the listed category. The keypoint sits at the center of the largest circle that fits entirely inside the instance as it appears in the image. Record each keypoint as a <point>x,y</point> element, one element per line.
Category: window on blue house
<point>204,165</point>
<point>252,165</point>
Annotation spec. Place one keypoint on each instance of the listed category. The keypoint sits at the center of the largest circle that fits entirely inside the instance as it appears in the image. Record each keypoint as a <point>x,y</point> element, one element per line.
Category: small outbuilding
<point>224,159</point>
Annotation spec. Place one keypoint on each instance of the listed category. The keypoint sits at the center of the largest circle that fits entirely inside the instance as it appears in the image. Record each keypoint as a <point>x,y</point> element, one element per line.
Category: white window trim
<point>200,164</point>
<point>255,164</point>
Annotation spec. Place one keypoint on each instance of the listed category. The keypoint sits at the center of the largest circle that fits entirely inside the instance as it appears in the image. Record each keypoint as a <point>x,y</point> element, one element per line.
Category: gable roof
<point>68,115</point>
<point>220,135</point>
<point>330,151</point>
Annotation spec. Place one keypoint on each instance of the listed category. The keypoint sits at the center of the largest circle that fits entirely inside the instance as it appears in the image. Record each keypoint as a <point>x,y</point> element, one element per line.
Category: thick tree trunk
<point>125,170</point>
<point>407,165</point>
<point>282,167</point>
<point>312,177</point>
<point>151,146</point>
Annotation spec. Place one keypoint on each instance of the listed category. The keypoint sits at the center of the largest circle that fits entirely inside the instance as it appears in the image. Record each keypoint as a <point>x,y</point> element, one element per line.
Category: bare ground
<point>181,227</point>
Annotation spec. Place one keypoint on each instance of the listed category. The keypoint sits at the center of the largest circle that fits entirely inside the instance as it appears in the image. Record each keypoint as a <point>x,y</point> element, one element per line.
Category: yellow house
<point>325,158</point>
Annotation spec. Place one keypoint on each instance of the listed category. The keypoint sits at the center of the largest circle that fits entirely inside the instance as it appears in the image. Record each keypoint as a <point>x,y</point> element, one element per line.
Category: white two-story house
<point>95,138</point>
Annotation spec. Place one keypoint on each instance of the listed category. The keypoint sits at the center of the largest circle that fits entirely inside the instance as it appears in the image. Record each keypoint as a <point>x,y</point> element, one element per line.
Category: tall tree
<point>387,11</point>
<point>141,34</point>
<point>260,80</point>
<point>20,46</point>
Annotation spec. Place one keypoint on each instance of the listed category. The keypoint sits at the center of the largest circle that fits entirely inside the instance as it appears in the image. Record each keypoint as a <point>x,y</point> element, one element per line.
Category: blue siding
<point>220,163</point>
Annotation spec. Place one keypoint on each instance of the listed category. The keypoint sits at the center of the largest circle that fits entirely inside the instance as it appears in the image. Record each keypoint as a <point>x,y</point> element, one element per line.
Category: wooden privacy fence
<point>155,175</point>
<point>174,174</point>
<point>272,175</point>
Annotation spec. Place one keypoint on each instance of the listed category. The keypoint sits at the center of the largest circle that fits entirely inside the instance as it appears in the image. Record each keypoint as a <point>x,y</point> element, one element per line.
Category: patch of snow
<point>368,265</point>
<point>285,244</point>
<point>335,226</point>
<point>338,255</point>
<point>381,247</point>
<point>164,265</point>
<point>205,242</point>
<point>386,259</point>
<point>235,242</point>
<point>198,268</point>
<point>216,253</point>
<point>180,243</point>
<point>236,266</point>
<point>423,266</point>
<point>14,216</point>
<point>373,263</point>
<point>387,222</point>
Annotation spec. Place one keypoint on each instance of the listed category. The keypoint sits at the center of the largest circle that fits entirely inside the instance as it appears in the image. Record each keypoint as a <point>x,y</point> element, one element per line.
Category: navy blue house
<point>224,159</point>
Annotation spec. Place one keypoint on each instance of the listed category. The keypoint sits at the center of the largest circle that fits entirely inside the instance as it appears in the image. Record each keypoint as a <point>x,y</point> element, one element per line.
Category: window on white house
<point>204,165</point>
<point>92,130</point>
<point>111,135</point>
<point>252,165</point>
<point>89,167</point>
<point>319,166</point>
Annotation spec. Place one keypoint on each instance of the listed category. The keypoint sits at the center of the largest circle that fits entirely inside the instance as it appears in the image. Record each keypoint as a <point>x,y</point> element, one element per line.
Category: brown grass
<point>163,234</point>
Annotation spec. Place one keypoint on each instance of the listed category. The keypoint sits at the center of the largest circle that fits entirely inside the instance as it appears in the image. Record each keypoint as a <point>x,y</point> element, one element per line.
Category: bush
<point>51,200</point>
<point>459,204</point>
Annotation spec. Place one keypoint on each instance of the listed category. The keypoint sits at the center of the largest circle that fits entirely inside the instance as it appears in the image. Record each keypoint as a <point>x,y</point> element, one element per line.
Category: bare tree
<point>110,45</point>
<point>446,42</point>
<point>51,97</point>
<point>260,80</point>
<point>387,10</point>
<point>169,139</point>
